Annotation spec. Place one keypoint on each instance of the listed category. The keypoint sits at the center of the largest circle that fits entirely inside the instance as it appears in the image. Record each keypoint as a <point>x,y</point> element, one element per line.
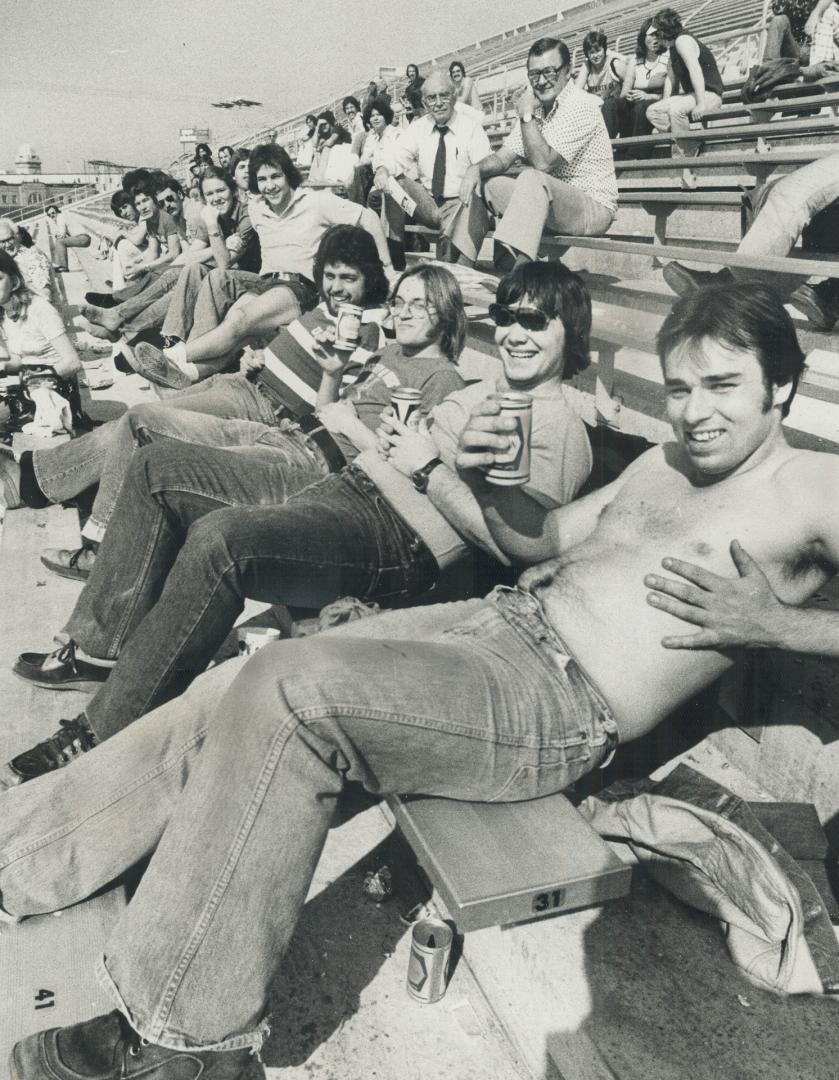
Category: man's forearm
<point>456,502</point>
<point>539,153</point>
<point>800,630</point>
<point>491,165</point>
<point>369,221</point>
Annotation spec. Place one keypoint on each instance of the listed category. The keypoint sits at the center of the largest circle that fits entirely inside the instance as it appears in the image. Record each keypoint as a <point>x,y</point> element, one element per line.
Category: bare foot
<point>106,317</point>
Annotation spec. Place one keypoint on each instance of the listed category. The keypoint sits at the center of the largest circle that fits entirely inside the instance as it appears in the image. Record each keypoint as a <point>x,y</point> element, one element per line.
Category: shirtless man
<point>493,707</point>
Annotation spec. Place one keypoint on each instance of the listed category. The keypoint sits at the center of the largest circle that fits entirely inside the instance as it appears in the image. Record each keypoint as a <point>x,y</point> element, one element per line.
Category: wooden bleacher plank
<point>500,863</point>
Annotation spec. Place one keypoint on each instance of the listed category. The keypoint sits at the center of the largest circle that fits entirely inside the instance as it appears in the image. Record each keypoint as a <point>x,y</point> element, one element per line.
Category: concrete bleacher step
<point>643,989</point>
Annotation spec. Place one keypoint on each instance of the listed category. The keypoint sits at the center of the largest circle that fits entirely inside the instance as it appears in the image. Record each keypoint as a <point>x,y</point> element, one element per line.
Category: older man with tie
<point>438,148</point>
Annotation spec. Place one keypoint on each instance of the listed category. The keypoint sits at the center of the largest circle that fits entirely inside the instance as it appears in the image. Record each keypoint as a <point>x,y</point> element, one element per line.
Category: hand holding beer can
<point>348,326</point>
<point>511,467</point>
<point>406,404</point>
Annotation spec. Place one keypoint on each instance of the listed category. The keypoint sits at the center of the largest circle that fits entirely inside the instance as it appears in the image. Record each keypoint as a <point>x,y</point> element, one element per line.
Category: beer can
<point>512,466</point>
<point>252,638</point>
<point>348,326</point>
<point>406,402</point>
<point>428,966</point>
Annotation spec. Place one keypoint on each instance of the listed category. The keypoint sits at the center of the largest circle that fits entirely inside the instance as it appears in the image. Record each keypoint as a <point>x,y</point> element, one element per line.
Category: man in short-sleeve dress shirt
<point>568,183</point>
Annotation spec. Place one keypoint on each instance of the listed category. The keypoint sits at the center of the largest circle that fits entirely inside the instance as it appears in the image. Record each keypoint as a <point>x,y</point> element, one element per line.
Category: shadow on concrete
<point>340,943</point>
<point>667,1003</point>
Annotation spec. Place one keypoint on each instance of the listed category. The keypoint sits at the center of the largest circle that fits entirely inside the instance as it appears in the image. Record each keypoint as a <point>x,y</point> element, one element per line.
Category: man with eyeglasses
<point>438,148</point>
<point>33,263</point>
<point>568,184</point>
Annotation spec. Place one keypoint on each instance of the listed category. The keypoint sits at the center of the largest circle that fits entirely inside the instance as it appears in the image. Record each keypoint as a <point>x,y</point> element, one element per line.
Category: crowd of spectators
<point>274,466</point>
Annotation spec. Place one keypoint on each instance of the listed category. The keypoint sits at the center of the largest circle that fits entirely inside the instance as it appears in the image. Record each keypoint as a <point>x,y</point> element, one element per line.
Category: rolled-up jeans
<point>493,708</point>
<point>534,201</point>
<point>165,614</point>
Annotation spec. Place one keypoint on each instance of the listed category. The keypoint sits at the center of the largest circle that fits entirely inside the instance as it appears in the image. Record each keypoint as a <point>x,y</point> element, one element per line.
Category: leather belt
<point>282,275</point>
<point>314,429</point>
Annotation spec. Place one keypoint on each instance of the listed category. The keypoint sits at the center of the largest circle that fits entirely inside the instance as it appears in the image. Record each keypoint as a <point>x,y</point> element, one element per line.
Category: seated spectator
<point>382,89</point>
<point>224,156</point>
<point>169,196</point>
<point>62,238</point>
<point>643,83</point>
<point>236,307</point>
<point>377,150</point>
<point>333,162</point>
<point>693,86</point>
<point>825,47</point>
<point>438,149</point>
<point>161,230</point>
<point>306,149</point>
<point>415,80</point>
<point>568,184</point>
<point>161,617</point>
<point>224,238</point>
<point>228,410</point>
<point>239,172</point>
<point>33,343</point>
<point>785,207</point>
<point>32,262</point>
<point>203,156</point>
<point>466,88</point>
<point>133,246</point>
<point>354,123</point>
<point>370,94</point>
<point>602,74</point>
<point>414,107</point>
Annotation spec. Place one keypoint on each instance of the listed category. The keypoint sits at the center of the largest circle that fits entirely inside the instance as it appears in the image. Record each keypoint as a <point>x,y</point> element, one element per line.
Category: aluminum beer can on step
<point>428,966</point>
<point>406,402</point>
<point>512,466</point>
<point>348,326</point>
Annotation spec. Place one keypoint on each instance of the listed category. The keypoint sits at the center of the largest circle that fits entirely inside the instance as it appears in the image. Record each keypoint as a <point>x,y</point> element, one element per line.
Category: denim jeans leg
<point>227,410</point>
<point>787,206</point>
<point>178,315</point>
<point>131,309</point>
<point>167,487</point>
<point>327,542</point>
<point>471,715</point>
<point>218,292</point>
<point>64,471</point>
<point>73,831</point>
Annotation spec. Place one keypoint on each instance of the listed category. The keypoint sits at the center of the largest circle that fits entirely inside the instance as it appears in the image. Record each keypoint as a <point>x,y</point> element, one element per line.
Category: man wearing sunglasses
<point>439,148</point>
<point>169,196</point>
<point>568,181</point>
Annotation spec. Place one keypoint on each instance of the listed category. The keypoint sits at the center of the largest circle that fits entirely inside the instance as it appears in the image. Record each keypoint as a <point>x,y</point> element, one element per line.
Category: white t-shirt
<point>31,337</point>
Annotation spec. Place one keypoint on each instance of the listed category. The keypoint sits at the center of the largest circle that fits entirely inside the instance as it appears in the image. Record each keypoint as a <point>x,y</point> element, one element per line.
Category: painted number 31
<point>45,999</point>
<point>548,901</point>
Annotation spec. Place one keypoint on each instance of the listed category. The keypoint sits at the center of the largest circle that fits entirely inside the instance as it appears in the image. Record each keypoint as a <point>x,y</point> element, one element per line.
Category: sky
<point>114,79</point>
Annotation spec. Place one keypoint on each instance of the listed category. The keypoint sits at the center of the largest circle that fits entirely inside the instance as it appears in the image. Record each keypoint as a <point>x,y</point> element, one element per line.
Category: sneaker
<point>72,739</point>
<point>108,1048</point>
<point>60,670</point>
<point>153,364</point>
<point>816,305</point>
<point>70,563</point>
<point>9,480</point>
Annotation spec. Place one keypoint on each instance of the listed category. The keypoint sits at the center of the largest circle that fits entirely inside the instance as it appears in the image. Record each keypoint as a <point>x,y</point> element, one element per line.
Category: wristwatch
<point>419,478</point>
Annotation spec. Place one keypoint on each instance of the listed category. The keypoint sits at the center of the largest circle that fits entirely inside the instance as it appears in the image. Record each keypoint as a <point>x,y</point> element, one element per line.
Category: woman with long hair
<point>643,83</point>
<point>31,328</point>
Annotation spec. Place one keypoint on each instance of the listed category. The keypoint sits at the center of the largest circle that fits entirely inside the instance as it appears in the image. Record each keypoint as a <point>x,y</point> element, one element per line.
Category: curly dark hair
<point>353,246</point>
<point>379,105</point>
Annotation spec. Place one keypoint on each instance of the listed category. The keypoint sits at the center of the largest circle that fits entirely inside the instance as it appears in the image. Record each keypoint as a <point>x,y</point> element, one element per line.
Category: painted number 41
<point>45,999</point>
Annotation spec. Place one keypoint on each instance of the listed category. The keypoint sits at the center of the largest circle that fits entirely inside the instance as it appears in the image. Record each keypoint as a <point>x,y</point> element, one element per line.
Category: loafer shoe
<point>60,670</point>
<point>107,1048</point>
<point>70,563</point>
<point>820,310</point>
<point>153,364</point>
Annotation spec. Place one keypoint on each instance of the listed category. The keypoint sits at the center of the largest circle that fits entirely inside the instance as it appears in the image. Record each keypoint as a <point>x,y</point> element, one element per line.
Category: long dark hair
<point>18,303</point>
<point>355,247</point>
<point>271,154</point>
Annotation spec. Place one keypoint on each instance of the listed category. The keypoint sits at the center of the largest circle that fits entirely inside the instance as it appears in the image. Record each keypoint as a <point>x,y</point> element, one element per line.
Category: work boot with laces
<point>108,1048</point>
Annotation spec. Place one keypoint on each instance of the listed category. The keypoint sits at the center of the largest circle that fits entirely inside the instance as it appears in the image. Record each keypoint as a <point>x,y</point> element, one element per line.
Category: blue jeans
<point>198,531</point>
<point>103,455</point>
<point>489,707</point>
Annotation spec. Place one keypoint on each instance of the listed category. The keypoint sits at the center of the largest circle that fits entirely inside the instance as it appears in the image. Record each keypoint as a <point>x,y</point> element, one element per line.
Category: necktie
<point>438,176</point>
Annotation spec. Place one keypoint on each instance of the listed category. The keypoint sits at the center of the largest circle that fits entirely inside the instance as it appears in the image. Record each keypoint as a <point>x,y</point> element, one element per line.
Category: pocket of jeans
<point>535,780</point>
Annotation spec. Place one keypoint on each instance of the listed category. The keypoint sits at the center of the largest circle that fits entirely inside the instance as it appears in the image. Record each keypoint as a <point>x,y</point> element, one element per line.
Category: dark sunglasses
<point>527,318</point>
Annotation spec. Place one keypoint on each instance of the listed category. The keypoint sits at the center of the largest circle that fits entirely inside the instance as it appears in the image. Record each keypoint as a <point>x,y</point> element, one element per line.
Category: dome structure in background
<point>27,162</point>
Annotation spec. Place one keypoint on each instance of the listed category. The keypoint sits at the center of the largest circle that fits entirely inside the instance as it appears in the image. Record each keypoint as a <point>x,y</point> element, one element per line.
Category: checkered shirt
<point>575,129</point>
<point>824,45</point>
